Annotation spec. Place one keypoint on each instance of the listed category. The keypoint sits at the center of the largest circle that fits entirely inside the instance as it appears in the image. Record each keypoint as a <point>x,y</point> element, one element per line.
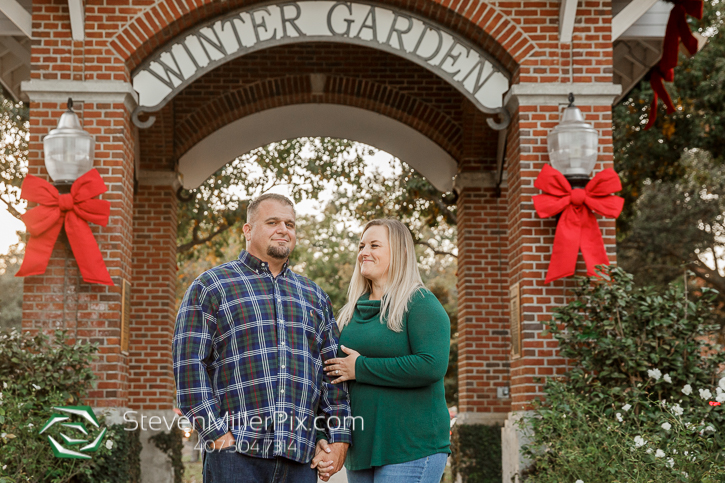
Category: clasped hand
<point>329,458</point>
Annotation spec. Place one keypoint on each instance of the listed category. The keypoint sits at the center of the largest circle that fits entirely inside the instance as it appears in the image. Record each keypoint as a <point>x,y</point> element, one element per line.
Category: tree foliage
<point>672,173</point>
<point>309,166</point>
<point>13,152</point>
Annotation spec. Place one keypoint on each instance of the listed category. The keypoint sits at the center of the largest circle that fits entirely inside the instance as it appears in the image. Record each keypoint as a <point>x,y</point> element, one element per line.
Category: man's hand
<point>329,458</point>
<point>224,441</point>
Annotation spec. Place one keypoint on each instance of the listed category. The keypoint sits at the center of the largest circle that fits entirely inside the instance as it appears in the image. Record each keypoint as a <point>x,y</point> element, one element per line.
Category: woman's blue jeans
<point>425,470</point>
<point>229,466</point>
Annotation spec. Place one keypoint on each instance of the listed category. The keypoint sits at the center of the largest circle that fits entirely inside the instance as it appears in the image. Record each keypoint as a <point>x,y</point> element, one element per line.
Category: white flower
<point>671,462</point>
<point>1,396</point>
<point>639,441</point>
<point>3,435</point>
<point>686,453</point>
<point>36,387</point>
<point>722,383</point>
<point>687,390</point>
<point>659,454</point>
<point>109,444</point>
<point>649,450</point>
<point>684,473</point>
<point>710,428</point>
<point>578,481</point>
<point>5,466</point>
<point>666,426</point>
<point>677,410</point>
<point>718,390</point>
<point>5,384</point>
<point>30,425</point>
<point>667,378</point>
<point>720,397</point>
<point>705,394</point>
<point>626,407</point>
<point>619,417</point>
<point>654,374</point>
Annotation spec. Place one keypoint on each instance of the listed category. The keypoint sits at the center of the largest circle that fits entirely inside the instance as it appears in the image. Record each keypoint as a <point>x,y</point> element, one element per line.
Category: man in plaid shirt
<point>249,346</point>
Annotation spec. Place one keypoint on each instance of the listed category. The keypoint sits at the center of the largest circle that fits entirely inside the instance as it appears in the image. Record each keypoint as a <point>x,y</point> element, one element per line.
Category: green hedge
<point>39,373</point>
<point>476,452</point>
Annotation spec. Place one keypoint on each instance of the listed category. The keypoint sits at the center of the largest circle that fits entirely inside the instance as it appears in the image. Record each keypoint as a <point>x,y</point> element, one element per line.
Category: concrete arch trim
<point>317,119</point>
<point>481,23</point>
<point>353,92</point>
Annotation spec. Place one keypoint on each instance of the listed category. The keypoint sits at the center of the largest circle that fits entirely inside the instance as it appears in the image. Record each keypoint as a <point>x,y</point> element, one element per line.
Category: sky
<point>9,225</point>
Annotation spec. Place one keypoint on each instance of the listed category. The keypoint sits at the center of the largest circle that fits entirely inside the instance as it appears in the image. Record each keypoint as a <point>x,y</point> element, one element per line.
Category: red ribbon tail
<point>86,251</point>
<point>653,106</point>
<point>592,244</point>
<point>38,251</point>
<point>566,246</point>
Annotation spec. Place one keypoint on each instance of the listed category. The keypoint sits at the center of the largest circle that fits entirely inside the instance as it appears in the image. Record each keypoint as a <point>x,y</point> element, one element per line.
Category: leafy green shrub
<point>37,374</point>
<point>476,453</point>
<point>123,464</point>
<point>636,405</point>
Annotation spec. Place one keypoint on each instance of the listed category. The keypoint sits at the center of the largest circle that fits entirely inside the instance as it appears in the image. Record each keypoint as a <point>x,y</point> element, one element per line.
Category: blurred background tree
<point>672,174</point>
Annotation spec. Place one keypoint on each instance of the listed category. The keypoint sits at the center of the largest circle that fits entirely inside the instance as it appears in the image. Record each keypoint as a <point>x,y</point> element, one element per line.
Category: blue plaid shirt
<point>248,354</point>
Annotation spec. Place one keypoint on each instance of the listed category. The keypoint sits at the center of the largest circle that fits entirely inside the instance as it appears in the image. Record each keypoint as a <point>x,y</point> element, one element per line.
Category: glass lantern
<point>573,145</point>
<point>68,149</point>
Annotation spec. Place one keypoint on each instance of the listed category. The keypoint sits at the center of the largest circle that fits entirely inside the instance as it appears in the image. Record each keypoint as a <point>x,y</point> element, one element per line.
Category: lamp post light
<point>68,150</point>
<point>573,146</point>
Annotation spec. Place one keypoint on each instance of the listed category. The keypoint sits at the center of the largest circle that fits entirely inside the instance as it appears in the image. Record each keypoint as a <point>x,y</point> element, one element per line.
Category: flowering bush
<point>642,401</point>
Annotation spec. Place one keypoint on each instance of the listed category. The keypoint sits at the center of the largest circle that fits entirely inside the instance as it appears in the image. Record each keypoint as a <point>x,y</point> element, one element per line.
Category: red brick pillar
<point>59,299</point>
<point>151,379</point>
<point>483,338</point>
<point>536,111</point>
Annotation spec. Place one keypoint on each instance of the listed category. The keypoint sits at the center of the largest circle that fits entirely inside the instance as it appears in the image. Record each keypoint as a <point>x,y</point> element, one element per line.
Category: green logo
<point>89,446</point>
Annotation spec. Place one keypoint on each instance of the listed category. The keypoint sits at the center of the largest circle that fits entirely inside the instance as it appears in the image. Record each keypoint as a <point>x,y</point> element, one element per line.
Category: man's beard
<point>280,253</point>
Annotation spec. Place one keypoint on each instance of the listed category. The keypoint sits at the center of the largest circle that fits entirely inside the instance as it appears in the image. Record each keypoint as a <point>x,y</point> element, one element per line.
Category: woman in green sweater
<point>396,336</point>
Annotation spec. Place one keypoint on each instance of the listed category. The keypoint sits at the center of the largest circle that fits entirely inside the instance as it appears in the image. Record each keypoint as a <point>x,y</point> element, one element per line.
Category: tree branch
<point>195,240</point>
<point>433,249</point>
<point>11,209</point>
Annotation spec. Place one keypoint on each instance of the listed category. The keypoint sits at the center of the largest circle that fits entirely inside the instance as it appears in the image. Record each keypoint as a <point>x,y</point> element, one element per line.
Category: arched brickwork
<point>483,24</point>
<point>289,90</point>
<point>281,76</point>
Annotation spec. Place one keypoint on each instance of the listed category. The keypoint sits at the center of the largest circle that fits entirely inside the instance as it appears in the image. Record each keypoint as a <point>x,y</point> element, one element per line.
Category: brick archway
<point>332,74</point>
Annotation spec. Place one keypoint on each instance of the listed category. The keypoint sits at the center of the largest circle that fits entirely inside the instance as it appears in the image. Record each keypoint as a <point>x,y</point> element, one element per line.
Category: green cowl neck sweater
<point>398,399</point>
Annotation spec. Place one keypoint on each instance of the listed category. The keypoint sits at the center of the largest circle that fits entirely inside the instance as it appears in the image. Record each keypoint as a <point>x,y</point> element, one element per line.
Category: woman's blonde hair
<point>403,277</point>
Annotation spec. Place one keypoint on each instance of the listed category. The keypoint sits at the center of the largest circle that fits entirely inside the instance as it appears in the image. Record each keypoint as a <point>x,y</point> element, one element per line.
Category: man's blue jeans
<point>424,470</point>
<point>229,466</point>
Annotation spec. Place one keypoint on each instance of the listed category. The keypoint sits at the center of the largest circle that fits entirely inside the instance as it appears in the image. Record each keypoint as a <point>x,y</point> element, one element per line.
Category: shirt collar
<point>258,265</point>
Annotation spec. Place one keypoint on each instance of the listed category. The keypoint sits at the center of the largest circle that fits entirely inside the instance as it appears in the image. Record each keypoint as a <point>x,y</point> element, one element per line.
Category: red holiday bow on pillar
<point>578,227</point>
<point>677,29</point>
<point>75,210</point>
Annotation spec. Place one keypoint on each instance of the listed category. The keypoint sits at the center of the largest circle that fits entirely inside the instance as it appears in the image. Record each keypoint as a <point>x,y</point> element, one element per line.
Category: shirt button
<point>282,391</point>
<point>282,342</point>
<point>283,366</point>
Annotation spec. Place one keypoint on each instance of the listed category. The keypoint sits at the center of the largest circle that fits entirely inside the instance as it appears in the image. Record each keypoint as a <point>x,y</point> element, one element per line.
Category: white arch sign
<point>471,70</point>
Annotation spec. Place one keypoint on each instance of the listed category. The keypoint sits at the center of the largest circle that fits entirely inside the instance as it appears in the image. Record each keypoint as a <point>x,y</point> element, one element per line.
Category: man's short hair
<point>254,205</point>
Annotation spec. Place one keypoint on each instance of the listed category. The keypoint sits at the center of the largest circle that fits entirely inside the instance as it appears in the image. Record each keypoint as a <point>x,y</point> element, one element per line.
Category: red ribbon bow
<point>677,29</point>
<point>75,210</point>
<point>578,227</point>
